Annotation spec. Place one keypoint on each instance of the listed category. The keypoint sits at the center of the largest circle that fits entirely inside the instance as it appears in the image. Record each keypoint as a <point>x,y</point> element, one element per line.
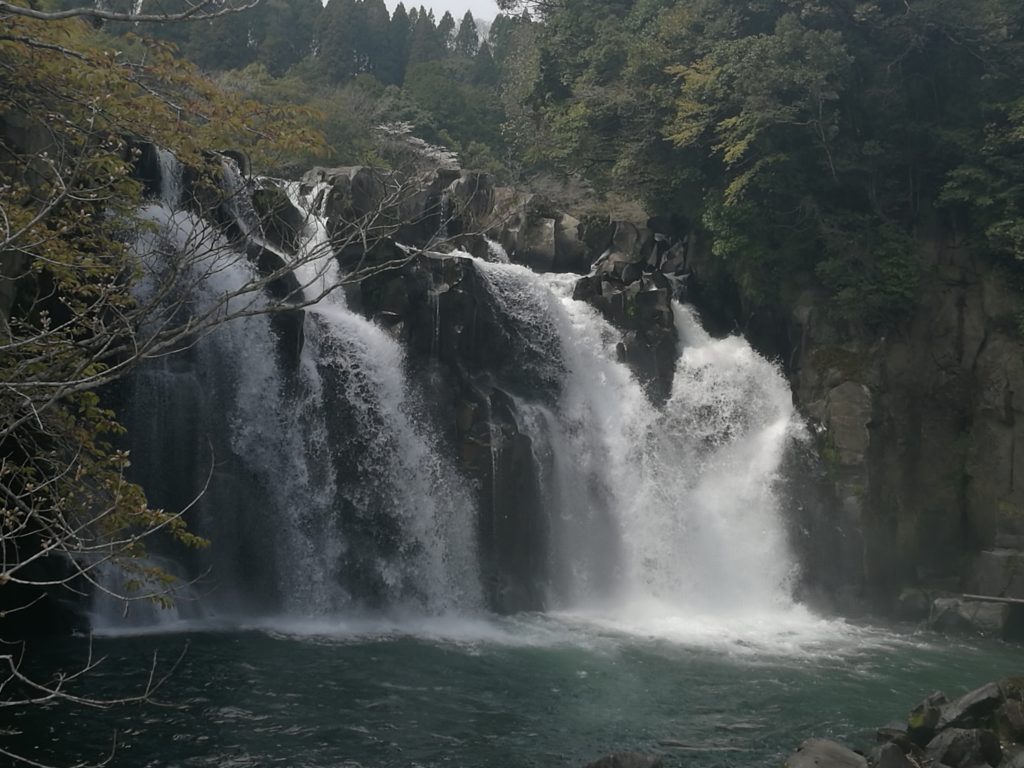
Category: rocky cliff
<point>919,430</point>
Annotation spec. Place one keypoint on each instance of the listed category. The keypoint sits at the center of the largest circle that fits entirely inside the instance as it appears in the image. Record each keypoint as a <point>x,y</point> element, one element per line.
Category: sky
<point>482,9</point>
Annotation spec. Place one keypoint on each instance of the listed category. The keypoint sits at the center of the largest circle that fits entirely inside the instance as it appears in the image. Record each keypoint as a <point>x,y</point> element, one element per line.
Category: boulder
<point>641,309</point>
<point>626,243</point>
<point>998,572</point>
<point>570,249</point>
<point>952,614</point>
<point>353,193</point>
<point>822,753</point>
<point>471,200</point>
<point>923,719</point>
<point>1008,721</point>
<point>240,158</point>
<point>913,604</point>
<point>965,748</point>
<point>972,710</point>
<point>596,233</point>
<point>895,733</point>
<point>890,756</point>
<point>536,246</point>
<point>281,221</point>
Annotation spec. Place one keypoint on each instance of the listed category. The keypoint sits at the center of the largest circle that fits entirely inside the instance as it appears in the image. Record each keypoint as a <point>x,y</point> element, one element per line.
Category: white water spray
<point>656,511</point>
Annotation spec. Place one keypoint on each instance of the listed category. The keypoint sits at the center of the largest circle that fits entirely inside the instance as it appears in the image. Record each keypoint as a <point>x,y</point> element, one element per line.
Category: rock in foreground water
<point>984,727</point>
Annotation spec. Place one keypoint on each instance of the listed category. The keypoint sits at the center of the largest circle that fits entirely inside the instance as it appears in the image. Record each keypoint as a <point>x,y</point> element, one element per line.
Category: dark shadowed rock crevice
<point>467,353</point>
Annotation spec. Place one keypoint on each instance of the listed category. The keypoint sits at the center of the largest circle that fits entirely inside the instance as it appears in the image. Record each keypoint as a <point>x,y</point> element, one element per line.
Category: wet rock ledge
<point>982,728</point>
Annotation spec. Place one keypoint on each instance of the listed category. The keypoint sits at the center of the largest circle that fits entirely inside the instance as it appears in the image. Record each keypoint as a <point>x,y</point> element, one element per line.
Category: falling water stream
<point>338,617</point>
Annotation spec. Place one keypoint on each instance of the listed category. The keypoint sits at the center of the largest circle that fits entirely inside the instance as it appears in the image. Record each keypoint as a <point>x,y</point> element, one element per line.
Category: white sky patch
<point>482,9</point>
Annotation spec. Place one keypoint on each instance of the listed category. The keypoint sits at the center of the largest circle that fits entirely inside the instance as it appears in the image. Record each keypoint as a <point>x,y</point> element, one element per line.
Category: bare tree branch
<point>210,9</point>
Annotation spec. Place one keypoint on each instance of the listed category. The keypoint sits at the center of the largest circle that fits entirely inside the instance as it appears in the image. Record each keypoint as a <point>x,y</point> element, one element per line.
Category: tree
<point>467,41</point>
<point>810,141</point>
<point>399,31</point>
<point>446,30</point>
<point>337,46</point>
<point>288,28</point>
<point>425,44</point>
<point>372,37</point>
<point>485,72</point>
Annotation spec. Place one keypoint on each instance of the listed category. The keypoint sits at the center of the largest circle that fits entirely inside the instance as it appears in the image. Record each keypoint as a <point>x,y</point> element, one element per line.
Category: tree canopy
<point>803,135</point>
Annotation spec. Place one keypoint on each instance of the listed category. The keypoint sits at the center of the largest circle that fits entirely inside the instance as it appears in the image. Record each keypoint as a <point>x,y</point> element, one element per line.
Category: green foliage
<point>338,60</point>
<point>467,40</point>
<point>872,275</point>
<point>777,123</point>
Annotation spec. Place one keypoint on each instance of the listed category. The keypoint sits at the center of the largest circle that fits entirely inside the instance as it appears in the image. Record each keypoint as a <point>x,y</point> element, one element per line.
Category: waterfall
<point>654,510</point>
<point>335,486</point>
<point>496,253</point>
<point>328,490</point>
<point>172,174</point>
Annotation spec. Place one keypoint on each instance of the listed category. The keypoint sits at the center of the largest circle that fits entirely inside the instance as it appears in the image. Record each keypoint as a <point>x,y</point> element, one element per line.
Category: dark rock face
<point>642,309</point>
<point>962,748</point>
<point>472,357</point>
<point>281,221</point>
<point>536,233</point>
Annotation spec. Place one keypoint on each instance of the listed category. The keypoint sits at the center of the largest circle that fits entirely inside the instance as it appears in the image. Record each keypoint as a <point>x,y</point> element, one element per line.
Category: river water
<point>529,691</point>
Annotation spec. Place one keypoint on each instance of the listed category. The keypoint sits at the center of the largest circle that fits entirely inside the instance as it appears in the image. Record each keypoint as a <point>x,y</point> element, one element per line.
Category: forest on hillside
<point>812,141</point>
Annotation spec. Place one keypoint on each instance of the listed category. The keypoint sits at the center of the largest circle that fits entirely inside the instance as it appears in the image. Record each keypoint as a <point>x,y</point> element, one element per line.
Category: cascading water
<point>331,491</point>
<point>400,466</point>
<point>654,511</point>
<point>327,490</point>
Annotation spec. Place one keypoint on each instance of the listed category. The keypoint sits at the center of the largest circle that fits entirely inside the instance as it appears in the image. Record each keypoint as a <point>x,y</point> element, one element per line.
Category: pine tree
<point>485,71</point>
<point>373,51</point>
<point>467,41</point>
<point>446,30</point>
<point>424,43</point>
<point>336,43</point>
<point>392,70</point>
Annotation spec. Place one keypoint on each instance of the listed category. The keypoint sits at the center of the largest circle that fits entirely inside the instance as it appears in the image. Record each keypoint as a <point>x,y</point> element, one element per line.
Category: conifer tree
<point>336,42</point>
<point>446,30</point>
<point>424,42</point>
<point>467,41</point>
<point>392,71</point>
